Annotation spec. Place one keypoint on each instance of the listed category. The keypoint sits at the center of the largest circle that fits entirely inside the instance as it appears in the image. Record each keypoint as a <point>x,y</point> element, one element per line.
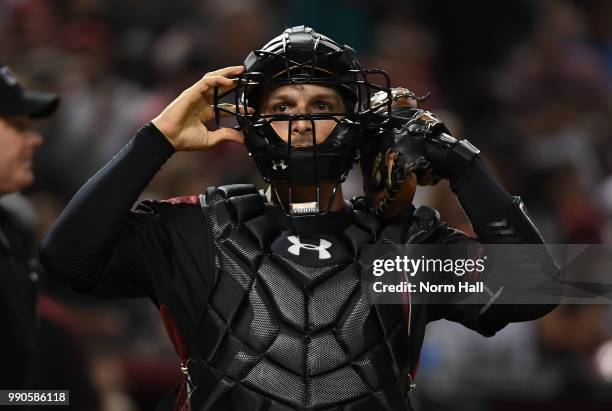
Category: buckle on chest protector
<point>185,368</point>
<point>304,208</point>
<point>411,384</point>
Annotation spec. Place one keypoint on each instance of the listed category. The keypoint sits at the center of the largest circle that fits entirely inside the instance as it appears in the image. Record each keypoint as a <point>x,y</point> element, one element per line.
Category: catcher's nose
<point>301,127</point>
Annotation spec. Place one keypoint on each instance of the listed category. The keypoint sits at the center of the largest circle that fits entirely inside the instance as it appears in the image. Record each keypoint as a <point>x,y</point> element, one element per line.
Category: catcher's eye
<point>322,106</point>
<point>280,107</point>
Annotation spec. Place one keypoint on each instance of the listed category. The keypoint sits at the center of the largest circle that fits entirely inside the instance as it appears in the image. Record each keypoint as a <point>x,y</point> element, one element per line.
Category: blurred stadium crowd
<point>528,82</point>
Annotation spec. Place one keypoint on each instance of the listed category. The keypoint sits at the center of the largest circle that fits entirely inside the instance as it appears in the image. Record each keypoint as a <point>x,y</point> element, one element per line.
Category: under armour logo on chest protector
<point>298,245</point>
<point>311,250</point>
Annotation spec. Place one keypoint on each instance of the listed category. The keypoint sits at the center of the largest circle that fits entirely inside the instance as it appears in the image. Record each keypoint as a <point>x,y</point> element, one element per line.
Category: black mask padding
<point>303,166</point>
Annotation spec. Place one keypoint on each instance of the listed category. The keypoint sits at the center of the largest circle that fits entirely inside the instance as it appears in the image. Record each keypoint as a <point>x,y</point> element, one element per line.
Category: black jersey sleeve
<point>440,308</point>
<point>501,219</point>
<point>96,243</point>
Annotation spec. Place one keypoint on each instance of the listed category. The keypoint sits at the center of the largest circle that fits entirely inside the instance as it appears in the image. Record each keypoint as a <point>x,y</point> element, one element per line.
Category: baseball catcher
<point>260,292</point>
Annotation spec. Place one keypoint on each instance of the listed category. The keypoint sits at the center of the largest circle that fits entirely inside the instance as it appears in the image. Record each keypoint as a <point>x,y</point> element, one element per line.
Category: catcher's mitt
<point>393,160</point>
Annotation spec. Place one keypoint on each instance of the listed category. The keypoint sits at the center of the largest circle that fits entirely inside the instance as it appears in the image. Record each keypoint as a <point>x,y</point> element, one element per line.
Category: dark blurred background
<point>528,82</point>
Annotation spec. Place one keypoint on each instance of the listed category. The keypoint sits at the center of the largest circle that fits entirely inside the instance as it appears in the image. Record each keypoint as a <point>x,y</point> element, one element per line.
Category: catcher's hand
<point>183,121</point>
<point>395,158</point>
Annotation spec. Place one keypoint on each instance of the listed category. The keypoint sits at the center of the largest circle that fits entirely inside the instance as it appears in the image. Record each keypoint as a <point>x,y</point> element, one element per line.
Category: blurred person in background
<point>19,141</point>
<point>38,348</point>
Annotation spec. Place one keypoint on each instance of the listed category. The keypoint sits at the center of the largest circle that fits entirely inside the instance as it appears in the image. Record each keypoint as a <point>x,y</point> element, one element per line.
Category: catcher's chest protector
<point>287,325</point>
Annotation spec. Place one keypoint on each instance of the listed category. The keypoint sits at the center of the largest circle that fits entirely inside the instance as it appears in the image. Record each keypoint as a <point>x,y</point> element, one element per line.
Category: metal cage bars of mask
<point>248,83</point>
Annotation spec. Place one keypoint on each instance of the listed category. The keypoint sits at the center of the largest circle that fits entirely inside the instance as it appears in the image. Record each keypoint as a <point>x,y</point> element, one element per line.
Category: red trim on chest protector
<point>183,200</point>
<point>182,402</point>
<point>173,333</point>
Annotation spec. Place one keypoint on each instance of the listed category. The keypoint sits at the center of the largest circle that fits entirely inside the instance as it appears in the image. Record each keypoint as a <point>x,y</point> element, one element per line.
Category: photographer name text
<point>428,287</point>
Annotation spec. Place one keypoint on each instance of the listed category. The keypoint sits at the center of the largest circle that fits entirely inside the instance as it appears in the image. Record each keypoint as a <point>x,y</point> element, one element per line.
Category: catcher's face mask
<point>302,57</point>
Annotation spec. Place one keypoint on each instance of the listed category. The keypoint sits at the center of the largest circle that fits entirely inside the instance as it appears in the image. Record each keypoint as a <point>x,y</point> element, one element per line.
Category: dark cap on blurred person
<point>16,101</point>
